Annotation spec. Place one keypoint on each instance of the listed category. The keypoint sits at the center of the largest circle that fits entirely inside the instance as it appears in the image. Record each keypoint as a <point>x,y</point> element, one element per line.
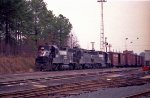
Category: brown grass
<point>16,64</point>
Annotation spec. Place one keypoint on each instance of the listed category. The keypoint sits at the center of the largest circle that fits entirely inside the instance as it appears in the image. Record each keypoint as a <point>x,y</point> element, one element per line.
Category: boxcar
<point>114,58</point>
<point>129,58</point>
<point>121,60</point>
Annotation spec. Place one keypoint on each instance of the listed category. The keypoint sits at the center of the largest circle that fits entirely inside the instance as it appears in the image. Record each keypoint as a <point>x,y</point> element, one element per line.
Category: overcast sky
<point>122,19</point>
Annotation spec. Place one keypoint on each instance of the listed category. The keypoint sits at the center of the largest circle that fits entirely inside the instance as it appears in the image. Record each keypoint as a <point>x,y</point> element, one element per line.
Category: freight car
<point>117,59</point>
<point>50,57</point>
<point>122,59</point>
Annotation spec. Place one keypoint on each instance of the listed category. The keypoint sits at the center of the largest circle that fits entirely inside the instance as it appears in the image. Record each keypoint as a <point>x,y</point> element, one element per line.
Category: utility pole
<point>133,41</point>
<point>102,26</point>
<point>92,45</point>
<point>71,40</point>
<point>59,32</point>
<point>109,46</point>
<point>126,43</point>
<point>106,44</point>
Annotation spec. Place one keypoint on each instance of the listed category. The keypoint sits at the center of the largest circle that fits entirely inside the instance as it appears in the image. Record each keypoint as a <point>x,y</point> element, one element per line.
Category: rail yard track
<point>144,94</point>
<point>44,76</point>
<point>73,83</point>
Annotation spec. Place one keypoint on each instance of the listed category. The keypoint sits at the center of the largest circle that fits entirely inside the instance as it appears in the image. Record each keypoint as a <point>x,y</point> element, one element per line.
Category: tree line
<point>25,24</point>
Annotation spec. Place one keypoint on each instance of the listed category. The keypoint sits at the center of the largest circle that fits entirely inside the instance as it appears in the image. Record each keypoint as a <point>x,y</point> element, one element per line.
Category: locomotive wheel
<point>43,67</point>
<point>83,66</point>
<point>38,67</point>
<point>99,65</point>
<point>80,67</point>
<point>74,66</point>
<point>49,67</point>
<point>60,67</point>
<point>70,66</point>
<point>55,67</point>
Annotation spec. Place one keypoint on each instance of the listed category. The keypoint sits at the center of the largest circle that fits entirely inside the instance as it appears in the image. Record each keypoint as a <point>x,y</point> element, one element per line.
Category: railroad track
<point>13,82</point>
<point>144,94</point>
<point>65,89</point>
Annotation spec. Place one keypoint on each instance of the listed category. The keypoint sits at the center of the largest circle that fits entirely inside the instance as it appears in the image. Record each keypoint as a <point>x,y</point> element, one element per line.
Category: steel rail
<point>59,89</point>
<point>138,95</point>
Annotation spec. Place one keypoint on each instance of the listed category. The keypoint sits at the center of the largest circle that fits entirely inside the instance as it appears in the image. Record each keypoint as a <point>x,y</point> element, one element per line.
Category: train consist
<point>50,57</point>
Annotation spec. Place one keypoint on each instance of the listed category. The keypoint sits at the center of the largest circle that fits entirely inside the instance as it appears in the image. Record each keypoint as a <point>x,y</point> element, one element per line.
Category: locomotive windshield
<point>63,52</point>
<point>44,48</point>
